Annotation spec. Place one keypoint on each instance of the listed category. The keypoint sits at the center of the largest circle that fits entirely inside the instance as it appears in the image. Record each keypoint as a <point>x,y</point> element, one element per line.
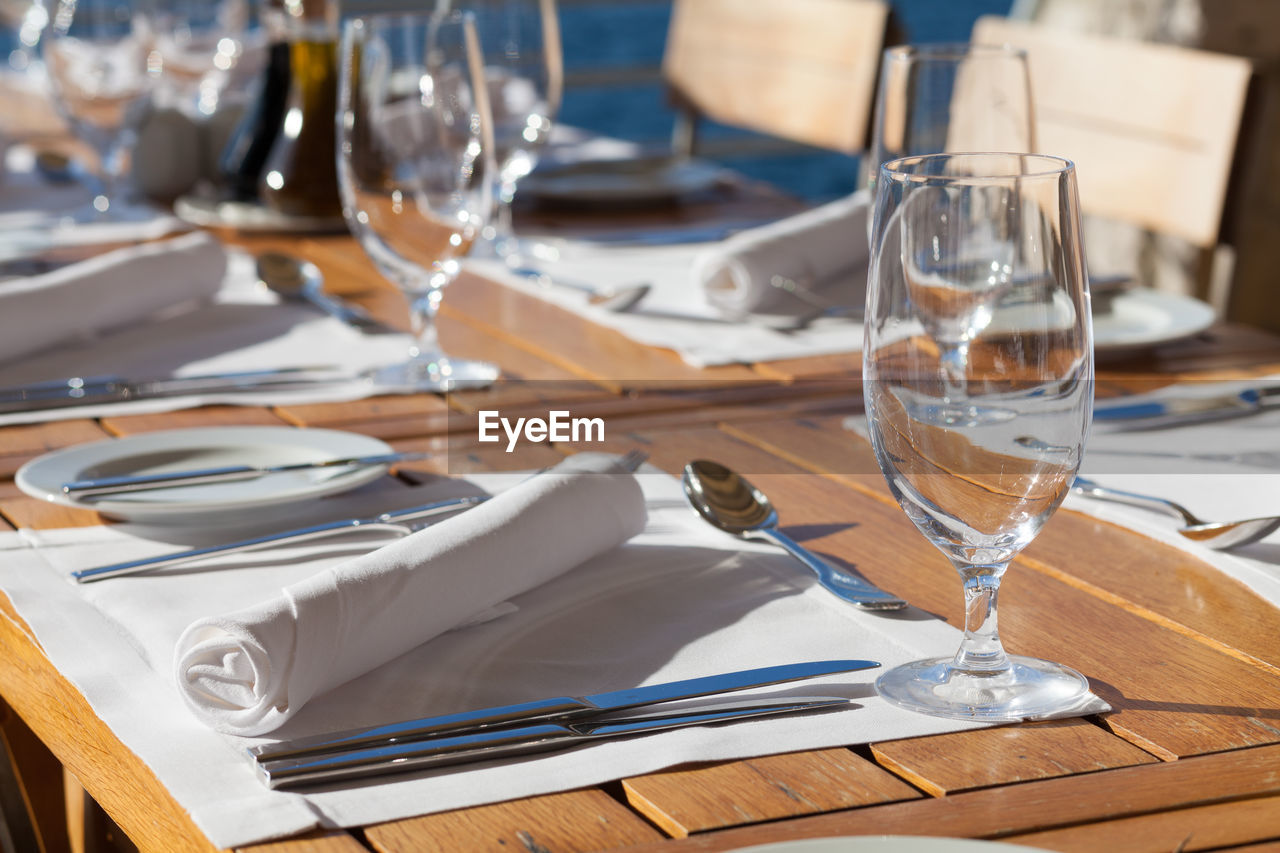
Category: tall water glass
<point>97,54</point>
<point>939,98</point>
<point>978,369</point>
<point>415,167</point>
<point>524,69</point>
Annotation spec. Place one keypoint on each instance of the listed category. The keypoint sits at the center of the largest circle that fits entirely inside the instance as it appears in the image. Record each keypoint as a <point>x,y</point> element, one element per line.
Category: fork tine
<point>633,460</point>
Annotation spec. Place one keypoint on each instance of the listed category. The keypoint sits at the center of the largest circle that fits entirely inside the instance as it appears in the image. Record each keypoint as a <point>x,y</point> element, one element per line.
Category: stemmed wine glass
<point>200,42</point>
<point>415,167</point>
<point>97,56</point>
<point>978,383</point>
<point>936,98</point>
<point>524,69</point>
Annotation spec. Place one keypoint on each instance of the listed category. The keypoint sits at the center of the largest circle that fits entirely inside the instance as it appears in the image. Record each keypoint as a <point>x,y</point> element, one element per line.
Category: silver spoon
<point>610,298</point>
<point>299,280</point>
<point>1219,535</point>
<point>729,502</point>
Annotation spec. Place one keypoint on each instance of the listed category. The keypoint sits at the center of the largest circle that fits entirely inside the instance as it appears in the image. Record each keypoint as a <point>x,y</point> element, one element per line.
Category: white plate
<point>244,216</point>
<point>640,181</point>
<point>210,447</point>
<point>1142,318</point>
<point>888,844</point>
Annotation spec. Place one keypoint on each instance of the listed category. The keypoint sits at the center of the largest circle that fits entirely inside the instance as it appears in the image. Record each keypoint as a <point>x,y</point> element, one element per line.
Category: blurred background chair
<point>1154,130</point>
<point>803,70</point>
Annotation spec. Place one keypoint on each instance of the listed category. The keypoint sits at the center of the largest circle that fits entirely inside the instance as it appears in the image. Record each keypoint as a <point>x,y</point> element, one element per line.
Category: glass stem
<point>423,308</point>
<point>955,370</point>
<point>981,651</point>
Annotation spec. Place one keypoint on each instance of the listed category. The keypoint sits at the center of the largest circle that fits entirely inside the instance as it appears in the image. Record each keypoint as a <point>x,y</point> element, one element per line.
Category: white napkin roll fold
<point>247,672</point>
<point>819,249</point>
<point>104,292</point>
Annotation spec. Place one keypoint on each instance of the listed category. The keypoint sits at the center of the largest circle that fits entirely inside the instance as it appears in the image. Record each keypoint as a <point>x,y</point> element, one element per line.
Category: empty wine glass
<point>415,167</point>
<point>979,394</point>
<point>938,98</point>
<point>200,43</point>
<point>97,54</point>
<point>524,69</point>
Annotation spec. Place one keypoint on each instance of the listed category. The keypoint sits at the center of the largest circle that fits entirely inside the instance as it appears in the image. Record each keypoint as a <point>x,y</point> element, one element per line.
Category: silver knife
<point>81,391</point>
<point>561,709</point>
<point>522,740</point>
<point>104,486</point>
<point>1186,409</point>
<point>401,521</point>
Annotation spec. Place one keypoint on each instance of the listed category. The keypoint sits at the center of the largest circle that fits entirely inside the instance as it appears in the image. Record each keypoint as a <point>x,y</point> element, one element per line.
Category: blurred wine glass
<point>98,55</point>
<point>23,22</point>
<point>523,62</point>
<point>415,167</point>
<point>938,98</point>
<point>200,44</point>
<point>978,377</point>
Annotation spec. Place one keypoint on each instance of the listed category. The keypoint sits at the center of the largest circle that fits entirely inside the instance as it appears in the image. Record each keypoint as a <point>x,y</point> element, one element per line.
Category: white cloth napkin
<point>106,292</point>
<point>700,292</point>
<point>823,250</point>
<point>249,671</point>
<point>244,327</point>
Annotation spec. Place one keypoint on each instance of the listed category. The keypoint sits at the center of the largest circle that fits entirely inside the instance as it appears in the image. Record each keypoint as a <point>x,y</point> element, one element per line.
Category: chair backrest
<point>802,70</point>
<point>1152,128</point>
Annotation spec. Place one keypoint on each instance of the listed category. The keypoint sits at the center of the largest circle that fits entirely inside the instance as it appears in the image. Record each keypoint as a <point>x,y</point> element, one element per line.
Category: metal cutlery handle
<point>502,743</point>
<point>1090,489</point>
<point>233,473</point>
<point>393,521</point>
<point>845,586</point>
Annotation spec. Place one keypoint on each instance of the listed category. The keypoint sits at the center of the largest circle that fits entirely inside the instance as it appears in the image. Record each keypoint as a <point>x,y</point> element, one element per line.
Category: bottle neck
<point>311,20</point>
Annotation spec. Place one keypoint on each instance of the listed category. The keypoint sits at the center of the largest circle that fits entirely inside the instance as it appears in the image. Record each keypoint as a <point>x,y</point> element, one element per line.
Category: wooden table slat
<point>570,822</point>
<point>700,798</point>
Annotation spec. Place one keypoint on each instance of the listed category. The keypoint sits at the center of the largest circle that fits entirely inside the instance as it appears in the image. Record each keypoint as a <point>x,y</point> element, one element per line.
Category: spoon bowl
<point>615,299</point>
<point>297,280</point>
<point>1219,535</point>
<point>727,501</point>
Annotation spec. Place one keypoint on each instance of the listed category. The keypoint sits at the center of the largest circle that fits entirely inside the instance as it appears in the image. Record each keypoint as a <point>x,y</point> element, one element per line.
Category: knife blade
<point>82,391</point>
<point>560,709</point>
<point>104,486</point>
<point>1186,409</point>
<point>521,740</point>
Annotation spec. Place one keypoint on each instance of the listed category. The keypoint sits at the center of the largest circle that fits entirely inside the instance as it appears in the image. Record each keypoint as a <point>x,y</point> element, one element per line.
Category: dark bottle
<point>245,155</point>
<point>300,177</point>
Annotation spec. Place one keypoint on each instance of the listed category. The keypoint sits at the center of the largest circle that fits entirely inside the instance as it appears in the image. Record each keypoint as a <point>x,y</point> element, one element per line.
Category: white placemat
<point>1221,470</point>
<point>675,314</point>
<point>680,600</point>
<point>245,328</point>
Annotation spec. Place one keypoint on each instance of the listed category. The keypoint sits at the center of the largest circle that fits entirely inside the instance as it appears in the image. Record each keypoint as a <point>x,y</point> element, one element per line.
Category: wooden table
<point>1189,759</point>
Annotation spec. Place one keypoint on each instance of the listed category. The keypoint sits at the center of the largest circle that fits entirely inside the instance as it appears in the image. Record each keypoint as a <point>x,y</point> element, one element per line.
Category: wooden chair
<point>802,70</point>
<point>1153,129</point>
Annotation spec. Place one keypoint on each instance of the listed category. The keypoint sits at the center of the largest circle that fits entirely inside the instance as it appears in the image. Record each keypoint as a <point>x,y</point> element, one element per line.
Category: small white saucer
<point>646,180</point>
<point>207,447</point>
<point>252,218</point>
<point>1142,318</point>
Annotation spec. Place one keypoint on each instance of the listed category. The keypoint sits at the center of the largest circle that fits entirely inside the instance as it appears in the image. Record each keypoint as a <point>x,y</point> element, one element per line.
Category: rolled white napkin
<point>247,672</point>
<point>107,291</point>
<point>824,248</point>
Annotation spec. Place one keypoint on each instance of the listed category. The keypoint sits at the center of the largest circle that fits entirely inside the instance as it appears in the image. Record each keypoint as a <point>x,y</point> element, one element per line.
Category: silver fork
<point>401,522</point>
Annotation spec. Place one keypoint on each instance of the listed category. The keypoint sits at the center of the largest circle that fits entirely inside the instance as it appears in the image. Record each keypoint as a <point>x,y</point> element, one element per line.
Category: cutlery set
<point>539,726</point>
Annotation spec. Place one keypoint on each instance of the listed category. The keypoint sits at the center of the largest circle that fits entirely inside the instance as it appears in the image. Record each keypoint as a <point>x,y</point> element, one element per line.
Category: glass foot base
<point>1029,688</point>
<point>440,373</point>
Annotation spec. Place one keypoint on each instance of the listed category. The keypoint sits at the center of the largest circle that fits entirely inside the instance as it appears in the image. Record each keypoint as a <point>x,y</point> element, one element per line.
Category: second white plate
<point>1143,318</point>
<point>208,447</point>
